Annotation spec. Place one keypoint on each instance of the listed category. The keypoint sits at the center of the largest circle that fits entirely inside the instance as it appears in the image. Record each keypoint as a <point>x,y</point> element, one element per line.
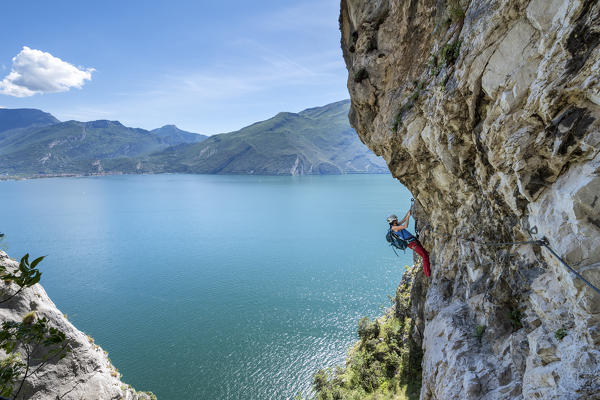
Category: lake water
<point>212,287</point>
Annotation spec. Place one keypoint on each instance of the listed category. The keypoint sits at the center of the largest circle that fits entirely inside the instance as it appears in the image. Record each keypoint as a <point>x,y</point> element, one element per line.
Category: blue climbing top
<point>406,235</point>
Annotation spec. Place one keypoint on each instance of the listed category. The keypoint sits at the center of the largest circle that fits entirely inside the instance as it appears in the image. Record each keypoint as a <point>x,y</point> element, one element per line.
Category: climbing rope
<point>539,242</point>
<point>544,243</point>
<point>536,242</point>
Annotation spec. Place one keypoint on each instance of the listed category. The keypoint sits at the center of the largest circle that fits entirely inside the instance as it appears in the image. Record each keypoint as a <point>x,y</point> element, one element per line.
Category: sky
<point>206,66</point>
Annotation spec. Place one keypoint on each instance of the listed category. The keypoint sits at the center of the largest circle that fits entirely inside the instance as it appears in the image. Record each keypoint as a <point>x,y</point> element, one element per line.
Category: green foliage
<point>455,11</point>
<point>320,380</point>
<point>11,368</point>
<point>515,317</point>
<point>444,81</point>
<point>26,276</point>
<point>449,53</point>
<point>410,102</point>
<point>479,331</point>
<point>367,329</point>
<point>433,64</point>
<point>560,334</point>
<point>27,343</point>
<point>385,363</point>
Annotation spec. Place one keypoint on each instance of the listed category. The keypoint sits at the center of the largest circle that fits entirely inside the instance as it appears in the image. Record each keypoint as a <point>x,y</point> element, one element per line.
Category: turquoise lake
<point>212,287</point>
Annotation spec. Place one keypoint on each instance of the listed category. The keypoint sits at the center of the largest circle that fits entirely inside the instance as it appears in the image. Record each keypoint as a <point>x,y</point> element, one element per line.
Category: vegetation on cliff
<point>42,355</point>
<point>386,361</point>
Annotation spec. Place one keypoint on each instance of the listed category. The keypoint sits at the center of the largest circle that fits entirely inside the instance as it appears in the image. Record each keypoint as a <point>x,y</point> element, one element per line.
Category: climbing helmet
<point>392,218</point>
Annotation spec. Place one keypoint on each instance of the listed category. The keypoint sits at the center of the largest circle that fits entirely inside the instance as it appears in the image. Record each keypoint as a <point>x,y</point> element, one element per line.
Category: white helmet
<point>392,218</point>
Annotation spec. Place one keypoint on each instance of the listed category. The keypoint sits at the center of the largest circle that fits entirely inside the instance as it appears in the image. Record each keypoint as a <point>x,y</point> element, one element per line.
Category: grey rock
<point>85,373</point>
<point>501,138</point>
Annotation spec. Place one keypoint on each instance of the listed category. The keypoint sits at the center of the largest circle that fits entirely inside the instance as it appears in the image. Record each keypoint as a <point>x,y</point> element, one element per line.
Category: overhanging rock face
<point>489,112</point>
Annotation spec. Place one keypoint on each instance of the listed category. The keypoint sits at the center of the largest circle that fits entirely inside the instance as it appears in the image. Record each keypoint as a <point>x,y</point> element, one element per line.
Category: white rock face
<point>492,120</point>
<point>85,373</point>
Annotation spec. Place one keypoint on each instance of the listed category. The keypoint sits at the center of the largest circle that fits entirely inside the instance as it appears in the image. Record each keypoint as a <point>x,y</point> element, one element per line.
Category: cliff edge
<point>84,373</point>
<point>489,113</point>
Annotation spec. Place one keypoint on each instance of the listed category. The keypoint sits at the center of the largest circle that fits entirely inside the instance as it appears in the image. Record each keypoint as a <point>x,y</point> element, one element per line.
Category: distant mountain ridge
<point>36,143</point>
<point>316,141</point>
<point>174,136</point>
<point>23,118</point>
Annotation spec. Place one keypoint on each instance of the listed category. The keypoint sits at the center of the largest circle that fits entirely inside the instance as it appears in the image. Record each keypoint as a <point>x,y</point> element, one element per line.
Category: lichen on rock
<point>499,138</point>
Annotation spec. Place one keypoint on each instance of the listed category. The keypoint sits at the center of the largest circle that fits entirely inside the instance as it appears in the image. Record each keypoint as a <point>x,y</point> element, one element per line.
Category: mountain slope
<point>172,135</point>
<point>315,141</point>
<point>74,147</point>
<point>23,118</point>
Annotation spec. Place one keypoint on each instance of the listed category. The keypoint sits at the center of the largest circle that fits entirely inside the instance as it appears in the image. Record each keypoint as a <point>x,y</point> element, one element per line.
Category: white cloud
<point>34,71</point>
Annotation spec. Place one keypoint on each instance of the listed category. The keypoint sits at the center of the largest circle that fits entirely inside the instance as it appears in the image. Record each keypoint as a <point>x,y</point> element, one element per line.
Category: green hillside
<point>74,147</point>
<point>173,136</point>
<point>315,141</point>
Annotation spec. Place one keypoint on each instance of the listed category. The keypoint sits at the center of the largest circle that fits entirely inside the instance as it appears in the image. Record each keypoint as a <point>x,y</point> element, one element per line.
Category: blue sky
<point>208,67</point>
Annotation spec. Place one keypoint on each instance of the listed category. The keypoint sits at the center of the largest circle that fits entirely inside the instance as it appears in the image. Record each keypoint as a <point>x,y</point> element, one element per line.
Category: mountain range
<point>315,141</point>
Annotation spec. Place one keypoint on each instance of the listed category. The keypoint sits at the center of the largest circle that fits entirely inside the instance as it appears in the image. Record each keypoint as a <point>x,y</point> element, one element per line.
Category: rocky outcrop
<point>489,112</point>
<point>85,373</point>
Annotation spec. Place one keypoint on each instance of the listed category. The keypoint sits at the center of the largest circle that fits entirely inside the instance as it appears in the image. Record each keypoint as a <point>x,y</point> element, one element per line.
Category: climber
<point>413,243</point>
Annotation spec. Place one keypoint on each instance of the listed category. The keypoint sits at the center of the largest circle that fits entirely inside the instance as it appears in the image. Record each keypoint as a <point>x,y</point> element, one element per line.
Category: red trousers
<point>417,248</point>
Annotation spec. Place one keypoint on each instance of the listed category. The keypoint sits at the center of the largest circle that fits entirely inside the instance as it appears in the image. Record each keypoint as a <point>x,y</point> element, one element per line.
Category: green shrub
<point>515,317</point>
<point>367,329</point>
<point>449,53</point>
<point>410,102</point>
<point>560,334</point>
<point>478,333</point>
<point>455,11</point>
<point>320,380</point>
<point>384,364</point>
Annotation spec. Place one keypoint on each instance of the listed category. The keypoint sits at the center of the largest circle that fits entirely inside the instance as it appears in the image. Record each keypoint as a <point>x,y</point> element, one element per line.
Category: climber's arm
<point>406,218</point>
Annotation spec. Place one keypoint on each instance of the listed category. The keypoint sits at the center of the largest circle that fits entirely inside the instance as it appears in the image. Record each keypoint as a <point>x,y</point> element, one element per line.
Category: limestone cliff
<point>489,112</point>
<point>85,373</point>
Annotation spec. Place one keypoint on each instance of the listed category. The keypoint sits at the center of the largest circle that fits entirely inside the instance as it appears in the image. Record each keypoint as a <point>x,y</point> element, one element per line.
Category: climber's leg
<point>417,248</point>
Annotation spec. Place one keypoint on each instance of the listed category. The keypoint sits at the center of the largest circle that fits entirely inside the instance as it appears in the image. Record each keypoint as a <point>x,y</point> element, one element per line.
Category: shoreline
<point>73,175</point>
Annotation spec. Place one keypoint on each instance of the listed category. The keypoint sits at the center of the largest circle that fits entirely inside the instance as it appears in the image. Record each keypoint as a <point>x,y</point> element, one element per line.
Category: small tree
<point>367,329</point>
<point>29,345</point>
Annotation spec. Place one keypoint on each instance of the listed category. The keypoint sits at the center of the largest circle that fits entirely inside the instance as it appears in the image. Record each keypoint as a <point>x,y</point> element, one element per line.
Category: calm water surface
<point>212,287</point>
